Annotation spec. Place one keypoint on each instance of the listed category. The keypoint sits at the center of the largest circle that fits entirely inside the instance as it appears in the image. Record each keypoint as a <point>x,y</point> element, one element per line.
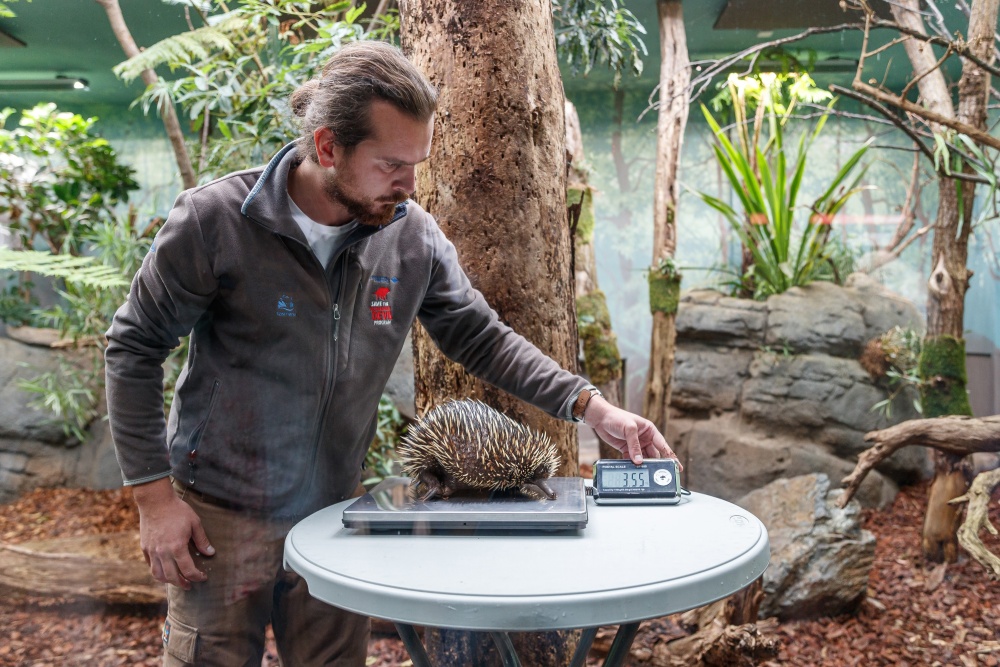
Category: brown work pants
<point>222,621</point>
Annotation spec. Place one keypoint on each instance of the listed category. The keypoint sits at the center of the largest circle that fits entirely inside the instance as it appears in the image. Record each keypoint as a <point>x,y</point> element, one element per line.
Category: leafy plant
<point>767,182</point>
<point>69,393</point>
<point>239,69</point>
<point>380,462</point>
<point>900,348</point>
<point>57,179</point>
<point>589,32</point>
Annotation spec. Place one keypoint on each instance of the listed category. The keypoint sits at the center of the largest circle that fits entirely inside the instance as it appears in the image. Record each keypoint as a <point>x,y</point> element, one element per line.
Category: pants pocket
<point>180,640</point>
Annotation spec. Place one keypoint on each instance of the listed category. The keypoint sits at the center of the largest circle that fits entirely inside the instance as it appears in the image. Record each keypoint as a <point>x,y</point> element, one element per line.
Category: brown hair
<point>340,98</point>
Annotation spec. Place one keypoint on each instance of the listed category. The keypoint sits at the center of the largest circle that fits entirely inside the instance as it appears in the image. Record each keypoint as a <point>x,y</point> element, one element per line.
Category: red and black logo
<point>381,312</point>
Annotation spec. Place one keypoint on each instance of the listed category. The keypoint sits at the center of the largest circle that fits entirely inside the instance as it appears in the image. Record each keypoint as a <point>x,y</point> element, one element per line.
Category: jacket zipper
<point>196,442</point>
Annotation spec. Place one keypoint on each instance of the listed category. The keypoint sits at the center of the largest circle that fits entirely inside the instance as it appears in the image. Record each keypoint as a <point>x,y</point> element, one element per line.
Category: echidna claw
<point>544,487</point>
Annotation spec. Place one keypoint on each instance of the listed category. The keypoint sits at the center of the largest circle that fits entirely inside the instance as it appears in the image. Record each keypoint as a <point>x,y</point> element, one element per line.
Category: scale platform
<point>389,506</point>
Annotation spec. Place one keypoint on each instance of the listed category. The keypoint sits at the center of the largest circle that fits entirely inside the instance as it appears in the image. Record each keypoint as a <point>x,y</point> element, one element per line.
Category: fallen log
<point>953,435</point>
<point>108,568</point>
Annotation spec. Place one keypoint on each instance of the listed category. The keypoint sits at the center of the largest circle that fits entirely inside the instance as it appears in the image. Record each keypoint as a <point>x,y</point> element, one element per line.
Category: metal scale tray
<point>388,506</point>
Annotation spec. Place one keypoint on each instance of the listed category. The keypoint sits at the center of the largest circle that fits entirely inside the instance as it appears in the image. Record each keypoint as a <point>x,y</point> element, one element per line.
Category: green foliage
<point>5,11</point>
<point>601,358</point>
<point>589,32</point>
<point>380,462</point>
<point>87,271</point>
<point>766,180</point>
<point>901,349</point>
<point>239,69</point>
<point>69,393</point>
<point>57,180</point>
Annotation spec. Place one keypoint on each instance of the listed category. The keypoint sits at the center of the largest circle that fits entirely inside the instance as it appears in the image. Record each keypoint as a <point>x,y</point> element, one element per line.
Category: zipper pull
<point>336,321</point>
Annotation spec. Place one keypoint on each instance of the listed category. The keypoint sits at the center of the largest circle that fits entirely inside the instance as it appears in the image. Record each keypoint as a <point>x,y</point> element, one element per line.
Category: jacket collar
<point>267,202</point>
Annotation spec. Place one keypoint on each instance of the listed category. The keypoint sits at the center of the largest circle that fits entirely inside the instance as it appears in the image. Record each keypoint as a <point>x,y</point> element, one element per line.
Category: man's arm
<point>169,293</point>
<point>469,332</point>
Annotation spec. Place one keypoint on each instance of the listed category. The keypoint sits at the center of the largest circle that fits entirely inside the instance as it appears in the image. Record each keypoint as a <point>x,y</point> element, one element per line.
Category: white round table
<point>631,563</point>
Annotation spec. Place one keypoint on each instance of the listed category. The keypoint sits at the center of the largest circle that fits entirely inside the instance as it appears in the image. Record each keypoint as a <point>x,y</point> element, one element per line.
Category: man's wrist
<point>583,400</point>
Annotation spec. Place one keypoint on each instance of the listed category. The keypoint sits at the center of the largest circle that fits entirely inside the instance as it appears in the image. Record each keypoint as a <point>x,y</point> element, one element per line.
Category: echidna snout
<point>469,445</point>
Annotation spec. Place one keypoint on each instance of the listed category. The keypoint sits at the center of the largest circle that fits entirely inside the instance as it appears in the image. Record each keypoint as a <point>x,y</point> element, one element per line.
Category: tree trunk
<point>675,75</point>
<point>601,360</point>
<point>942,363</point>
<point>167,112</point>
<point>496,182</point>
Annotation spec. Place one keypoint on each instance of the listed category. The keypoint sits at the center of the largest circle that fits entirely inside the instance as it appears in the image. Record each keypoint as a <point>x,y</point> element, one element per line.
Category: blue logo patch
<point>384,279</point>
<point>166,632</point>
<point>286,307</point>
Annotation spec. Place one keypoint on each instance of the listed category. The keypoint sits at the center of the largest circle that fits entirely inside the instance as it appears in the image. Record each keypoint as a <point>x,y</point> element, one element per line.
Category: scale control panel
<point>621,482</point>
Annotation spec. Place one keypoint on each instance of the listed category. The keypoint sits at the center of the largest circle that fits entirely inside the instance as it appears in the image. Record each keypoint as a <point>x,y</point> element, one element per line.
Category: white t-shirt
<point>323,239</point>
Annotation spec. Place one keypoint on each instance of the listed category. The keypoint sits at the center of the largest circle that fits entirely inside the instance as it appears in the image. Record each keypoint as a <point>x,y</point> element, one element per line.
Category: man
<point>298,282</point>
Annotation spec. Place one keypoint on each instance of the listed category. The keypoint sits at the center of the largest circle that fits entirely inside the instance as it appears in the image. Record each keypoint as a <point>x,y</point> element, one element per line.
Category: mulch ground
<point>917,613</point>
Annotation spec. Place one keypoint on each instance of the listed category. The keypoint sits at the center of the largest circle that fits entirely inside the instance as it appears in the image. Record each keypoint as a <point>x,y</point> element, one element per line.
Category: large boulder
<point>778,386</point>
<point>727,458</point>
<point>820,556</point>
<point>34,450</point>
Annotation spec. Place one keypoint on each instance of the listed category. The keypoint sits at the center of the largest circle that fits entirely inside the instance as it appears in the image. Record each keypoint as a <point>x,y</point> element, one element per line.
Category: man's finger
<point>634,447</point>
<point>201,542</point>
<point>188,570</point>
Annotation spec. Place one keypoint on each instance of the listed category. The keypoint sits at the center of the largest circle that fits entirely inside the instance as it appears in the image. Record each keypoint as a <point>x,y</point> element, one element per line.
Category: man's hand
<point>167,525</point>
<point>630,434</point>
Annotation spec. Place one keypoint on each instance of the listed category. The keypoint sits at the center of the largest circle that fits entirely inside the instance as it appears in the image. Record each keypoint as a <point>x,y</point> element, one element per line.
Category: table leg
<point>583,648</point>
<point>414,646</point>
<point>621,645</point>
<point>506,648</point>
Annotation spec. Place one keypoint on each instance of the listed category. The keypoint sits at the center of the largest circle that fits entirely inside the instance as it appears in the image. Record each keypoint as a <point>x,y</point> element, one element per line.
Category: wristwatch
<point>582,400</point>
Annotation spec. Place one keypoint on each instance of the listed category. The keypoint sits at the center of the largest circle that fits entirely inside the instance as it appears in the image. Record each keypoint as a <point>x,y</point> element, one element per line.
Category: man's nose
<point>406,179</point>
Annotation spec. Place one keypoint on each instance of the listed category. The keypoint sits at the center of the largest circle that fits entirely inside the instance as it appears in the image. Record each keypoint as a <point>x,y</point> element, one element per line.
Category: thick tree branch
<point>959,436</point>
<point>167,112</point>
<point>977,517</point>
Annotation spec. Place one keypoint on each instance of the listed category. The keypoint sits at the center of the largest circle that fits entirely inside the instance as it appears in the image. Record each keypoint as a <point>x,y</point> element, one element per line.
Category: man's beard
<point>367,211</point>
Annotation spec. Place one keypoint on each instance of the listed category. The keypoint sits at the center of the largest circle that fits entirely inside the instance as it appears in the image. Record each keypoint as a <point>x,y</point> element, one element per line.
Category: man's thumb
<point>201,542</point>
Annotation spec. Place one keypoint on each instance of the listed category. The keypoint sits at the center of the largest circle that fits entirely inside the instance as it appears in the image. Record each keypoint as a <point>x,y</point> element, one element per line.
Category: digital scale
<point>621,482</point>
<point>390,507</point>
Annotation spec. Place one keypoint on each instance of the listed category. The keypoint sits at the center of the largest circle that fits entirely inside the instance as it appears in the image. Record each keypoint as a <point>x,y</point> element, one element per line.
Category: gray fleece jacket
<point>276,406</point>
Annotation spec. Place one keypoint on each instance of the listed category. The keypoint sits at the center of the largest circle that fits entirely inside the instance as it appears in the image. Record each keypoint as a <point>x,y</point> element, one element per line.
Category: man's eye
<point>390,166</point>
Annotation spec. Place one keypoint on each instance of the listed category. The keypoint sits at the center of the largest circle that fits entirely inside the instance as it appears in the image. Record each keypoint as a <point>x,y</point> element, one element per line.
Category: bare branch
<point>977,517</point>
<point>953,435</point>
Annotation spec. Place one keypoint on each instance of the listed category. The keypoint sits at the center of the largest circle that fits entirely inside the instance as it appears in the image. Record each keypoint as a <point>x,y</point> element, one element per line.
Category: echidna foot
<point>435,486</point>
<point>543,486</point>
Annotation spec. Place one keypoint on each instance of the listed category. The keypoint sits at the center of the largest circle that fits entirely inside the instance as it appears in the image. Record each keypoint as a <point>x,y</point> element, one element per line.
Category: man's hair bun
<point>302,97</point>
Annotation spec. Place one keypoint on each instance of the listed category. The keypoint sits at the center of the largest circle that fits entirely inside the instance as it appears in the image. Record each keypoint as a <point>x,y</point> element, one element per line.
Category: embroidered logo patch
<point>286,307</point>
<point>381,312</point>
<point>166,631</point>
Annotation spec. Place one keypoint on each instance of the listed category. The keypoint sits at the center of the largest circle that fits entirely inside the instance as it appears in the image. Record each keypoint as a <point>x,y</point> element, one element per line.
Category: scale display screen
<point>621,482</point>
<point>625,479</point>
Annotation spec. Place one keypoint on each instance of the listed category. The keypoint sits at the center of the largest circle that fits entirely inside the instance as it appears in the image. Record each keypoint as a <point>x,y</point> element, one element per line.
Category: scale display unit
<point>389,506</point>
<point>621,482</point>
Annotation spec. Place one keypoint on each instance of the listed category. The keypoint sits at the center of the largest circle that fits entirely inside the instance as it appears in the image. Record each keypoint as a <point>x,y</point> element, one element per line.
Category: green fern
<point>186,47</point>
<point>86,271</point>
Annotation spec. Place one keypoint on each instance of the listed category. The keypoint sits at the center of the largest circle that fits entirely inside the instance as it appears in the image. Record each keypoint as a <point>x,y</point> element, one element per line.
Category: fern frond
<point>184,48</point>
<point>86,271</point>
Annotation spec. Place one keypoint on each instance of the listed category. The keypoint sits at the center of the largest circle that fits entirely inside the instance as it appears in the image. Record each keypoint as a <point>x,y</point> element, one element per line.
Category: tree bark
<point>496,182</point>
<point>167,112</point>
<point>942,365</point>
<point>602,361</point>
<point>675,75</point>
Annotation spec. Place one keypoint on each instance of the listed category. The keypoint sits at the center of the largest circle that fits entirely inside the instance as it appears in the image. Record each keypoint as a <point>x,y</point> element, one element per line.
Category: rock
<point>707,378</point>
<point>18,420</point>
<point>820,556</point>
<point>881,309</point>
<point>828,400</point>
<point>707,315</point>
<point>727,458</point>
<point>820,317</point>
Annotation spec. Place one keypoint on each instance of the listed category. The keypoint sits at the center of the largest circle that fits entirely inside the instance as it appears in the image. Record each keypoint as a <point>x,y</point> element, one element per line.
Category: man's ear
<point>327,150</point>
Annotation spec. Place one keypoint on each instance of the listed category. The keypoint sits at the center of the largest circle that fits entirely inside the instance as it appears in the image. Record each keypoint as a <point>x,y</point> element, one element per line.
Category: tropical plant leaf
<point>86,271</point>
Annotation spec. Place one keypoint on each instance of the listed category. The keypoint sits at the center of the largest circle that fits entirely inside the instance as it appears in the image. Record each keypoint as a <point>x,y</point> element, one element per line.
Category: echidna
<point>468,445</point>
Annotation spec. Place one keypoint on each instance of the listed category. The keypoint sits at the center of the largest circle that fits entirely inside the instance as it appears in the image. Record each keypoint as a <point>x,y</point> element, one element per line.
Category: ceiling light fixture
<point>55,83</point>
